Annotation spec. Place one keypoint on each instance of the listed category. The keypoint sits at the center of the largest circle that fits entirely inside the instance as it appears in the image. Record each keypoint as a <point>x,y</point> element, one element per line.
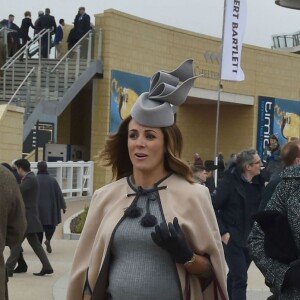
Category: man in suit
<point>47,22</point>
<point>13,39</point>
<point>12,220</point>
<point>29,190</point>
<point>82,23</point>
<point>58,39</point>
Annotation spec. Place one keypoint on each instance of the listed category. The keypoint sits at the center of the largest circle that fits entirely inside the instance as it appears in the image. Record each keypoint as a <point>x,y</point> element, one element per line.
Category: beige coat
<point>12,219</point>
<point>190,203</point>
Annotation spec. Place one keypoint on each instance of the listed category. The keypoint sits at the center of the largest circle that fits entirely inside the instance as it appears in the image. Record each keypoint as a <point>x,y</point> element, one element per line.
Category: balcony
<point>287,42</point>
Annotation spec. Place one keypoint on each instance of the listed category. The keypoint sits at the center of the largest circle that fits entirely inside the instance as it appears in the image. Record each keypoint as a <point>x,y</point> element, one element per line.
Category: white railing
<point>286,40</point>
<point>74,178</point>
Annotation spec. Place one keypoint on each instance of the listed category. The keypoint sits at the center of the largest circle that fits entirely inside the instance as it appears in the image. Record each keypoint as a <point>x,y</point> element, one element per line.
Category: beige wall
<point>142,47</point>
<point>74,124</point>
<point>198,125</point>
<point>11,132</point>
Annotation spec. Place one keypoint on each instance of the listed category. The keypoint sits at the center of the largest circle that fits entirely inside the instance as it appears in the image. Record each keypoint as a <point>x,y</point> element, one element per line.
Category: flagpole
<point>220,88</point>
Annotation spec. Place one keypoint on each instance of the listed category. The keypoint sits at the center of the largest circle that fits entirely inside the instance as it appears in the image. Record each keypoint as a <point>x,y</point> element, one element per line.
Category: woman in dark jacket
<point>24,29</point>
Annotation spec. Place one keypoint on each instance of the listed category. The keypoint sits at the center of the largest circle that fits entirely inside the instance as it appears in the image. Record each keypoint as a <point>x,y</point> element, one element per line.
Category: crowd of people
<point>256,200</point>
<point>31,206</point>
<point>18,36</point>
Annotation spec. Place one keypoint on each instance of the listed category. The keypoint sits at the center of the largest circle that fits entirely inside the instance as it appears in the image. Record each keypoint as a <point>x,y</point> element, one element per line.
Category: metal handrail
<point>12,60</point>
<point>17,90</point>
<point>6,31</point>
<point>66,55</point>
<point>23,49</point>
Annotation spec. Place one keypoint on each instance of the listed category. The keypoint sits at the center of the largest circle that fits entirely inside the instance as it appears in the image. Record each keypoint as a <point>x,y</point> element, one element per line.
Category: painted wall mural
<point>125,89</point>
<point>277,116</point>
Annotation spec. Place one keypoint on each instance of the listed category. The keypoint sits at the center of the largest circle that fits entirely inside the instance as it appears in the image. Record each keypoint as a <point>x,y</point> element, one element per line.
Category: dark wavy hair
<point>23,163</point>
<point>115,152</point>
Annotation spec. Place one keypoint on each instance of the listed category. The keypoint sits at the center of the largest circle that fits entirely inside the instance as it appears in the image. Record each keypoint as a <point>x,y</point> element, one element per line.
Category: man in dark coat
<point>51,201</point>
<point>71,40</point>
<point>235,200</point>
<point>37,23</point>
<point>29,190</point>
<point>47,22</point>
<point>82,23</point>
<point>12,220</point>
<point>13,39</point>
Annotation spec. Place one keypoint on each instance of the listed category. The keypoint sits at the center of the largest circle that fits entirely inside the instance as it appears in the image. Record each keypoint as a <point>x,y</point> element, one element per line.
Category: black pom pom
<point>148,220</point>
<point>133,212</point>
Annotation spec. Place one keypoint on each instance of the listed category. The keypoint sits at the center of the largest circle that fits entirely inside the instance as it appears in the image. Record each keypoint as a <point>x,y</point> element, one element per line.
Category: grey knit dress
<point>140,270</point>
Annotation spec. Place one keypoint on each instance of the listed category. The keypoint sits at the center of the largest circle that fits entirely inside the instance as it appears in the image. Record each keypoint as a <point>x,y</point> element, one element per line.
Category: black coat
<point>29,189</point>
<point>279,242</point>
<point>268,192</point>
<point>232,209</point>
<point>12,35</point>
<point>12,219</point>
<point>48,22</point>
<point>24,29</point>
<point>50,200</point>
<point>285,200</point>
<point>82,25</point>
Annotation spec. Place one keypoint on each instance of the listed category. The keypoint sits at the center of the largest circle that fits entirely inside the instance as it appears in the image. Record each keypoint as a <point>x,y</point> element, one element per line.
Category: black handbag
<point>279,243</point>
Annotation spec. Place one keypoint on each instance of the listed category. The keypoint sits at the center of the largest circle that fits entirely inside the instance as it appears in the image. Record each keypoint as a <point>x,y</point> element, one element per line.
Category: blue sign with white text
<point>277,116</point>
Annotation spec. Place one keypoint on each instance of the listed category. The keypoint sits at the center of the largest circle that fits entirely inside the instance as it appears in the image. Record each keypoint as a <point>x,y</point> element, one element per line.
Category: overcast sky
<point>264,18</point>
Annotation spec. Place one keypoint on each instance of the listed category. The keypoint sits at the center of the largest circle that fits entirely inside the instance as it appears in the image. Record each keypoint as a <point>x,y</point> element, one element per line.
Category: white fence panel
<point>74,178</point>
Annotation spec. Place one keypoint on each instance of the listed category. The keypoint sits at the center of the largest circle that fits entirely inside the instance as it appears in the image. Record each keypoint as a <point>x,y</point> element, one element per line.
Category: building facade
<point>136,48</point>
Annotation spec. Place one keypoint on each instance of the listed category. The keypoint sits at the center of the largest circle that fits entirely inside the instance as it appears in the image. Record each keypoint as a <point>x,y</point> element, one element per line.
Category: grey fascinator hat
<point>156,108</point>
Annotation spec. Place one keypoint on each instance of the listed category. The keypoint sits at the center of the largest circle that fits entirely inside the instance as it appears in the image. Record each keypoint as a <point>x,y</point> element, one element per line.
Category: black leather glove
<point>172,239</point>
<point>291,279</point>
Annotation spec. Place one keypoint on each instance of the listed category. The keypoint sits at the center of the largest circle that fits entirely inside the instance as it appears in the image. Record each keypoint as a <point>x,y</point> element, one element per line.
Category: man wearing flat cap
<point>210,167</point>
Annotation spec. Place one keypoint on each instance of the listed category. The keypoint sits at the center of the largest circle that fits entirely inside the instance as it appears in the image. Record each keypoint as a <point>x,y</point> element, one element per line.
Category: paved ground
<point>53,287</point>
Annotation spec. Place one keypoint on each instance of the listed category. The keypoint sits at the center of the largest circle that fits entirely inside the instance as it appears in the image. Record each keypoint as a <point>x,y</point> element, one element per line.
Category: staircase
<point>47,86</point>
